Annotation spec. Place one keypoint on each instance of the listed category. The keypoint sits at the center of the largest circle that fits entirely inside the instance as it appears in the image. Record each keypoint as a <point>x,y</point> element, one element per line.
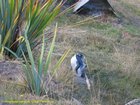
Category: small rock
<point>134,102</point>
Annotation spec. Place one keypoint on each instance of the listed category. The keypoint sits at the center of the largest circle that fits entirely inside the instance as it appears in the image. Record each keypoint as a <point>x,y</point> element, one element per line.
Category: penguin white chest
<point>73,62</point>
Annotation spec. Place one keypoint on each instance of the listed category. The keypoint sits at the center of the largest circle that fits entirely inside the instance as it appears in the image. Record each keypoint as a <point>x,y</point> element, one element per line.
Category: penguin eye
<point>80,55</point>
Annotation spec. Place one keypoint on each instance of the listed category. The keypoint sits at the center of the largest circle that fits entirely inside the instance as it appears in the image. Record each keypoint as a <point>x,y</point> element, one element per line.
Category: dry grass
<point>112,51</point>
<point>130,10</point>
<point>129,62</point>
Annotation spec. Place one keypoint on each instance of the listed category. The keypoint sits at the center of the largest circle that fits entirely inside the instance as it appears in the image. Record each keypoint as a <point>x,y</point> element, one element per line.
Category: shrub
<point>20,17</point>
<point>34,73</point>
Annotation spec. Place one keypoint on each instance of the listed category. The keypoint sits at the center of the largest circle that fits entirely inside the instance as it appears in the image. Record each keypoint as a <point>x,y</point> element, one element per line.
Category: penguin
<point>79,66</point>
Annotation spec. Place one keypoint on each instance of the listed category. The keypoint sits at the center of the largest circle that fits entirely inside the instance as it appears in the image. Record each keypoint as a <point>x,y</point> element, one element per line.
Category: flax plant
<point>14,16</point>
<point>36,72</point>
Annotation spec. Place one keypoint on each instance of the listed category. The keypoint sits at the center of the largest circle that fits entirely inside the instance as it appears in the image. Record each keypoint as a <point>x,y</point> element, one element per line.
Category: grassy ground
<point>112,49</point>
<point>112,55</point>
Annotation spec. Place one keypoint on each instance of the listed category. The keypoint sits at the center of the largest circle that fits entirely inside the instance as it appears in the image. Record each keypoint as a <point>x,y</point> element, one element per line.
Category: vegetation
<point>22,24</point>
<point>113,55</point>
<point>36,72</point>
<point>20,18</point>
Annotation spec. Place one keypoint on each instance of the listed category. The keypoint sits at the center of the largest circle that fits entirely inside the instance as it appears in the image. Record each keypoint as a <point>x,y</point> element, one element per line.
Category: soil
<point>10,71</point>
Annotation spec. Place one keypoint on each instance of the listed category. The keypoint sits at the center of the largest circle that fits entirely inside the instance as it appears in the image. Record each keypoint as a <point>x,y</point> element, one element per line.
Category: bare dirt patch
<point>11,71</point>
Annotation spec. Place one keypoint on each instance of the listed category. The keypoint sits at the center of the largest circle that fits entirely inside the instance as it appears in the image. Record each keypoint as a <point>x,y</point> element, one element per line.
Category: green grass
<point>131,8</point>
<point>15,93</point>
<point>134,30</point>
<point>109,76</point>
<point>109,65</point>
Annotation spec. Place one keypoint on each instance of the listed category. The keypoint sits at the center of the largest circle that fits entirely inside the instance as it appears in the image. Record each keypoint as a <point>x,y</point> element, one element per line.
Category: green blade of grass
<point>58,65</point>
<point>50,52</point>
<point>33,67</point>
<point>28,73</point>
<point>40,63</point>
<point>13,53</point>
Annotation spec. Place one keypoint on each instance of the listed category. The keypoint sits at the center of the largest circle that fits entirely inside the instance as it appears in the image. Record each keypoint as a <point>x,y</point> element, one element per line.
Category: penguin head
<point>80,55</point>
